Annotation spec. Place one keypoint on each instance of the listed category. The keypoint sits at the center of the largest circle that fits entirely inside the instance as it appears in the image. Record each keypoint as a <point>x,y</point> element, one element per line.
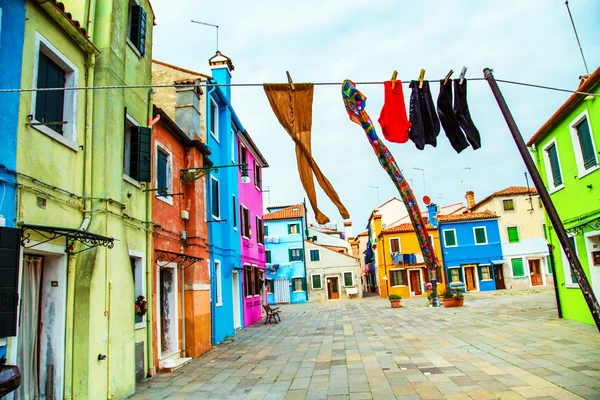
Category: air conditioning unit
<point>185,214</point>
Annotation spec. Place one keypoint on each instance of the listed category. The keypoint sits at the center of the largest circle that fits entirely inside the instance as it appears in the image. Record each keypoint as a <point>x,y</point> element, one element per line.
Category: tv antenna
<point>212,25</point>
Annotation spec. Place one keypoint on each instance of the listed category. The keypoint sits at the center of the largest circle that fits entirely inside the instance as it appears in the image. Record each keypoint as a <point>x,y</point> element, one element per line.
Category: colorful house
<point>522,230</point>
<point>565,150</point>
<point>285,230</point>
<point>251,226</point>
<point>180,274</point>
<point>471,249</point>
<point>12,28</point>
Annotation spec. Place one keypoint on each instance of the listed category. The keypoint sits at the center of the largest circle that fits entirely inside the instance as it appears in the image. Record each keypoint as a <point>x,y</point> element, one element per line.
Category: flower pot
<point>395,303</point>
<point>453,302</point>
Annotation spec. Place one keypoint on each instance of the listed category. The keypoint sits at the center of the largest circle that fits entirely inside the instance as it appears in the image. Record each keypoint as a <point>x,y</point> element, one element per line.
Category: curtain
<point>27,359</point>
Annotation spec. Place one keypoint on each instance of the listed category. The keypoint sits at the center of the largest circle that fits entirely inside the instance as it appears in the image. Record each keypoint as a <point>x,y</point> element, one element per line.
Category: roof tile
<point>467,216</point>
<point>291,212</point>
<point>509,191</point>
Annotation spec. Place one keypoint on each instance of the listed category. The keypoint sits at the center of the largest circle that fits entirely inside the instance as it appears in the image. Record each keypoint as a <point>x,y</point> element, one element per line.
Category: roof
<point>253,148</point>
<point>187,71</point>
<point>365,233</point>
<point>330,249</point>
<point>221,59</point>
<point>444,210</point>
<point>471,216</point>
<point>509,191</point>
<point>403,228</point>
<point>290,212</point>
<point>567,106</point>
<point>57,11</point>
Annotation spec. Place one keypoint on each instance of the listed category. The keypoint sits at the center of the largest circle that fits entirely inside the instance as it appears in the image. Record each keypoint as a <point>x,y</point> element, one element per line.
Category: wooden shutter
<point>290,254</point>
<point>137,33</point>
<point>480,235</point>
<point>49,105</point>
<point>517,267</point>
<point>554,165</point>
<point>395,245</point>
<point>140,153</point>
<point>10,247</point>
<point>304,284</point>
<point>513,234</point>
<point>587,148</point>
<point>161,172</point>
<point>268,256</point>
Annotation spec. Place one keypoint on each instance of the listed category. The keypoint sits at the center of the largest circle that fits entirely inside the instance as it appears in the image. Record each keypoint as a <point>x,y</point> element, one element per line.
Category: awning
<point>497,262</point>
<point>185,261</point>
<point>49,233</point>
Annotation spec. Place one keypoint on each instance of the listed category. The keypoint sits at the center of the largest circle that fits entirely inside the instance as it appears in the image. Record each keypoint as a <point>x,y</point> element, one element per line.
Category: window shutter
<point>215,198</point>
<point>140,153</point>
<point>9,278</point>
<point>517,267</point>
<point>137,33</point>
<point>554,165</point>
<point>304,284</point>
<point>50,105</point>
<point>161,173</point>
<point>234,208</point>
<point>290,254</point>
<point>268,256</point>
<point>513,234</point>
<point>587,148</point>
<point>480,235</point>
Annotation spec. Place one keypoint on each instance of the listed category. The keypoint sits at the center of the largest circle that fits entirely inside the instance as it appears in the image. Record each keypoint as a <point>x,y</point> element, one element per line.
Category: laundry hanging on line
<point>461,109</point>
<point>448,118</point>
<point>393,121</point>
<point>425,125</point>
<point>293,109</point>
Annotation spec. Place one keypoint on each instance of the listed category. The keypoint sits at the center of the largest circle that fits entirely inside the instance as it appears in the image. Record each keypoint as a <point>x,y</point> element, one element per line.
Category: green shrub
<point>394,297</point>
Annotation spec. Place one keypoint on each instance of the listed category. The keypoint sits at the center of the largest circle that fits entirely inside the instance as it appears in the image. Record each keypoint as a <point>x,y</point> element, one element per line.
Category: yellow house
<point>400,266</point>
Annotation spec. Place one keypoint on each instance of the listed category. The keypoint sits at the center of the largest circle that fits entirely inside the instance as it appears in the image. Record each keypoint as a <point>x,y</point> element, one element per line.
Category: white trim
<point>141,263</point>
<point>161,147</point>
<point>450,276</point>
<point>294,223</point>
<point>255,267</point>
<point>175,321</point>
<point>455,237</point>
<point>246,296</point>
<point>491,273</point>
<point>567,267</point>
<point>310,257</point>
<point>214,124</point>
<point>344,278</point>
<point>432,241</point>
<point>410,288</point>
<point>390,276</point>
<point>257,170</point>
<point>299,251</point>
<point>581,171</point>
<point>218,218</point>
<point>399,244</point>
<point>69,136</point>
<point>237,301</point>
<point>233,144</point>
<point>247,222</point>
<point>548,168</point>
<point>475,235</point>
<point>256,219</point>
<point>218,283</point>
<point>132,181</point>
<point>312,282</point>
<point>594,270</point>
<point>236,211</point>
<point>475,277</point>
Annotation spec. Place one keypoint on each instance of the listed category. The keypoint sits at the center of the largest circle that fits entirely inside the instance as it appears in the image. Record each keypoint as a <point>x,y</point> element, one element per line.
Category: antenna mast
<point>213,25</point>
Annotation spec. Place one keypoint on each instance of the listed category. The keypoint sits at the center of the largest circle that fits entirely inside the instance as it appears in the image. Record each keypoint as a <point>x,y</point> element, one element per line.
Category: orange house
<point>180,273</point>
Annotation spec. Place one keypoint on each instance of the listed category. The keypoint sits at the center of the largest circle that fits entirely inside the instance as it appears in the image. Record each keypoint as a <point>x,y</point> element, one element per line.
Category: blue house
<point>285,232</point>
<point>471,249</point>
<point>12,30</point>
<point>223,205</point>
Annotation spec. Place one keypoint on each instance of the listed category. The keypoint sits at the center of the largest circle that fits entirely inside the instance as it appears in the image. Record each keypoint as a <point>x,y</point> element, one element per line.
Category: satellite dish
<point>426,200</point>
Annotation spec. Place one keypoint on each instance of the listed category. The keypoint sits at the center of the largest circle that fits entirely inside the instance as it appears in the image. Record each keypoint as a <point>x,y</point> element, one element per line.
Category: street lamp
<point>189,175</point>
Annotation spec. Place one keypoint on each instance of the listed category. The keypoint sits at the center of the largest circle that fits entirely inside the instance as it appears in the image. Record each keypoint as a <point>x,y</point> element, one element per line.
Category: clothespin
<point>421,77</point>
<point>448,76</point>
<point>290,80</point>
<point>394,75</point>
<point>461,78</point>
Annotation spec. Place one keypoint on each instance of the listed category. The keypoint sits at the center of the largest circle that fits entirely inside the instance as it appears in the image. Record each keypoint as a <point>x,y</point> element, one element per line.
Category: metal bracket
<point>185,261</point>
<point>578,230</point>
<point>50,233</point>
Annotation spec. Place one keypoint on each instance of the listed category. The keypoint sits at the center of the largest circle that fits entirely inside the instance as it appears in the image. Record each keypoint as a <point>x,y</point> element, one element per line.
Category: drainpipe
<point>182,278</point>
<point>210,246</point>
<point>304,237</point>
<point>149,263</point>
<point>107,304</point>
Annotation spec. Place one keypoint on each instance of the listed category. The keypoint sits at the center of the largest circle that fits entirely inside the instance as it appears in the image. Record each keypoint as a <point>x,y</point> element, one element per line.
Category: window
<point>552,164</point>
<point>137,27</point>
<point>257,176</point>
<point>293,229</point>
<point>215,198</point>
<point>540,202</point>
<point>260,238</point>
<point>315,255</point>
<point>398,277</point>
<point>266,228</point>
<point>295,254</point>
<point>233,142</point>
<point>248,280</point>
<point>517,267</point>
<point>316,281</point>
<point>394,245</point>
<point>550,266</point>
<point>245,222</point>
<point>137,148</point>
<point>214,120</point>
<point>513,234</point>
<point>234,211</point>
<point>163,175</point>
<point>432,241</point>
<point>298,284</point>
<point>508,205</point>
<point>270,286</point>
<point>485,272</point>
<point>454,275</point>
<point>49,105</point>
<point>583,145</point>
<point>348,279</point>
<point>450,238</point>
<point>268,256</point>
<point>480,235</point>
<point>545,231</point>
<point>218,289</point>
<point>257,281</point>
<point>570,278</point>
<point>137,269</point>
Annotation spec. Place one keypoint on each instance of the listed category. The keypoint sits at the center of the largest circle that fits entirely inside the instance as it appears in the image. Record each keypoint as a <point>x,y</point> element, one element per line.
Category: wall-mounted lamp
<point>189,175</point>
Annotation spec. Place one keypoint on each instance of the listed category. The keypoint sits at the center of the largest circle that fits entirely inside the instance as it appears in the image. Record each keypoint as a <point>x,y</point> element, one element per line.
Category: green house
<point>566,152</point>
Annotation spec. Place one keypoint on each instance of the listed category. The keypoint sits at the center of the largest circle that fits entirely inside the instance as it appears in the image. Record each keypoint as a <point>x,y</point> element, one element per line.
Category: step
<point>170,364</point>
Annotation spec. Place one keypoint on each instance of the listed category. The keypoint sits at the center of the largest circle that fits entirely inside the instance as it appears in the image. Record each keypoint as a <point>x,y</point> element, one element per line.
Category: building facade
<point>565,150</point>
<point>285,230</point>
<point>471,249</point>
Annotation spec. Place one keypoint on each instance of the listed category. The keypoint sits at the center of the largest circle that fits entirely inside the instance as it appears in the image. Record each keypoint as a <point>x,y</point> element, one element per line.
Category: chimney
<point>221,67</point>
<point>187,108</point>
<point>470,196</point>
<point>348,230</point>
<point>432,211</point>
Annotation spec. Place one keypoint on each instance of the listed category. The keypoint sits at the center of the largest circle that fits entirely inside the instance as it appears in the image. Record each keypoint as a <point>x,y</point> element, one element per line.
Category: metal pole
<point>558,308</point>
<point>574,263</point>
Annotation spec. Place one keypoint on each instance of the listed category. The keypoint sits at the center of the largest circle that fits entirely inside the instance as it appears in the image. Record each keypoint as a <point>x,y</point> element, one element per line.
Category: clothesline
<point>208,84</point>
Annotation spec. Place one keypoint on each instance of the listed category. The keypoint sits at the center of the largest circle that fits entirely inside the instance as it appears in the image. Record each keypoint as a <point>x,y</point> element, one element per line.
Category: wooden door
<point>499,277</point>
<point>536,274</point>
<point>415,282</point>
<point>333,290</point>
<point>470,278</point>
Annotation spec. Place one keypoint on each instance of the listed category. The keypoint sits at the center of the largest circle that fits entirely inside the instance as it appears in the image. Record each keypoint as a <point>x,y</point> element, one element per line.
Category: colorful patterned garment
<point>355,103</point>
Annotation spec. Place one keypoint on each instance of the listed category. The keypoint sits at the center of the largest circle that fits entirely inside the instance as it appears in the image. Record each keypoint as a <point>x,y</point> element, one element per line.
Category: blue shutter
<point>10,247</point>
<point>587,148</point>
<point>161,173</point>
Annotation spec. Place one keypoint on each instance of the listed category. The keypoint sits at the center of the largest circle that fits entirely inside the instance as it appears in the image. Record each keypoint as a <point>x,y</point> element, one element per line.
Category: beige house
<point>331,275</point>
<point>522,232</point>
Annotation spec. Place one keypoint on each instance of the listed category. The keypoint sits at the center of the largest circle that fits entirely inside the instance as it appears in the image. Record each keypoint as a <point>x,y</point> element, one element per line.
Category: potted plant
<point>394,300</point>
<point>453,299</point>
<point>141,308</point>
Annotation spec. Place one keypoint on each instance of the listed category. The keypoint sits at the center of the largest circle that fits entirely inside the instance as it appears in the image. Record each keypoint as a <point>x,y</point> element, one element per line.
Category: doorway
<point>237,302</point>
<point>168,323</point>
<point>499,276</point>
<point>592,244</point>
<point>535,272</point>
<point>333,289</point>
<point>470,278</point>
<point>415,282</point>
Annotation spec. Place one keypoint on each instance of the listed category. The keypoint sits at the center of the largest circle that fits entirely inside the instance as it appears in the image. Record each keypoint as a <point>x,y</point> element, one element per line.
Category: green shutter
<point>517,266</point>
<point>513,234</point>
<point>554,165</point>
<point>140,153</point>
<point>304,284</point>
<point>137,33</point>
<point>10,250</point>
<point>550,266</point>
<point>568,265</point>
<point>289,229</point>
<point>347,279</point>
<point>449,238</point>
<point>587,148</point>
<point>291,255</point>
<point>266,228</point>
<point>480,236</point>
<point>545,232</point>
<point>316,281</point>
<point>268,256</point>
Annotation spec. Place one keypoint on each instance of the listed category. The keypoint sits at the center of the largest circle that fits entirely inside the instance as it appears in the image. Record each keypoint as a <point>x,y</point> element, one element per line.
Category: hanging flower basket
<point>141,308</point>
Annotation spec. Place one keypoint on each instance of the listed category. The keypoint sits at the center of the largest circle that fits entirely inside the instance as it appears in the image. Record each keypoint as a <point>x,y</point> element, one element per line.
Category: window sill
<point>486,280</point>
<point>140,325</point>
<point>572,285</point>
<point>56,136</point>
<point>218,304</point>
<point>132,181</point>
<point>451,246</point>
<point>587,171</point>
<point>132,46</point>
<point>168,200</point>
<point>320,288</point>
<point>215,218</point>
<point>214,136</point>
<point>481,244</point>
<point>298,291</point>
<point>556,189</point>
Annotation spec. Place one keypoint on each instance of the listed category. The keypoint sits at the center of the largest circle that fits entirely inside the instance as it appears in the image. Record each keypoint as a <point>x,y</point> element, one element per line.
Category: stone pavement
<point>500,345</point>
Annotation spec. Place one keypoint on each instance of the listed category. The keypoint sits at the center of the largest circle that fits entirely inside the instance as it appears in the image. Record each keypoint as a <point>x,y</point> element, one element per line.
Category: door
<point>282,291</point>
<point>168,321</point>
<point>237,306</point>
<point>499,276</point>
<point>470,278</point>
<point>415,283</point>
<point>535,273</point>
<point>333,289</point>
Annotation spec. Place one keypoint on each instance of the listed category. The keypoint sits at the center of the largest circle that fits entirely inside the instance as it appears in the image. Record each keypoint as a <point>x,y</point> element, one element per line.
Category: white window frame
<point>237,213</point>
<point>312,281</point>
<point>491,274</point>
<point>233,144</point>
<point>262,224</point>
<point>69,136</point>
<point>141,265</point>
<point>475,236</point>
<point>455,237</point>
<point>299,251</point>
<point>294,223</point>
<point>450,275</point>
<point>525,268</point>
<point>214,124</point>
<point>218,284</point>
<point>567,267</point>
<point>217,218</point>
<point>549,177</point>
<point>257,170</point>
<point>126,155</point>
<point>399,244</point>
<point>162,148</point>
<point>310,257</point>
<point>431,239</point>
<point>247,222</point>
<point>581,171</point>
<point>514,202</point>
<point>344,278</point>
<point>390,277</point>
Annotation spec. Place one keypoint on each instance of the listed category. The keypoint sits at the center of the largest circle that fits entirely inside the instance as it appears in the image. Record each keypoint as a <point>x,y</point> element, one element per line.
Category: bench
<point>272,313</point>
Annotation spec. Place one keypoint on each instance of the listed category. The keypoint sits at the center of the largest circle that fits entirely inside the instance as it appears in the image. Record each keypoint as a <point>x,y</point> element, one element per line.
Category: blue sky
<point>333,40</point>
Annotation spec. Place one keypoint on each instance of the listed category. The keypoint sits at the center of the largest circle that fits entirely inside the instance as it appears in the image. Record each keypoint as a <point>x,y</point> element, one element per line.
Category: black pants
<point>461,110</point>
<point>425,123</point>
<point>448,118</point>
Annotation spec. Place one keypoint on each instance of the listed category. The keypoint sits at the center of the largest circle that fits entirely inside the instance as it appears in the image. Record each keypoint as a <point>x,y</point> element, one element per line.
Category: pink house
<point>251,229</point>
